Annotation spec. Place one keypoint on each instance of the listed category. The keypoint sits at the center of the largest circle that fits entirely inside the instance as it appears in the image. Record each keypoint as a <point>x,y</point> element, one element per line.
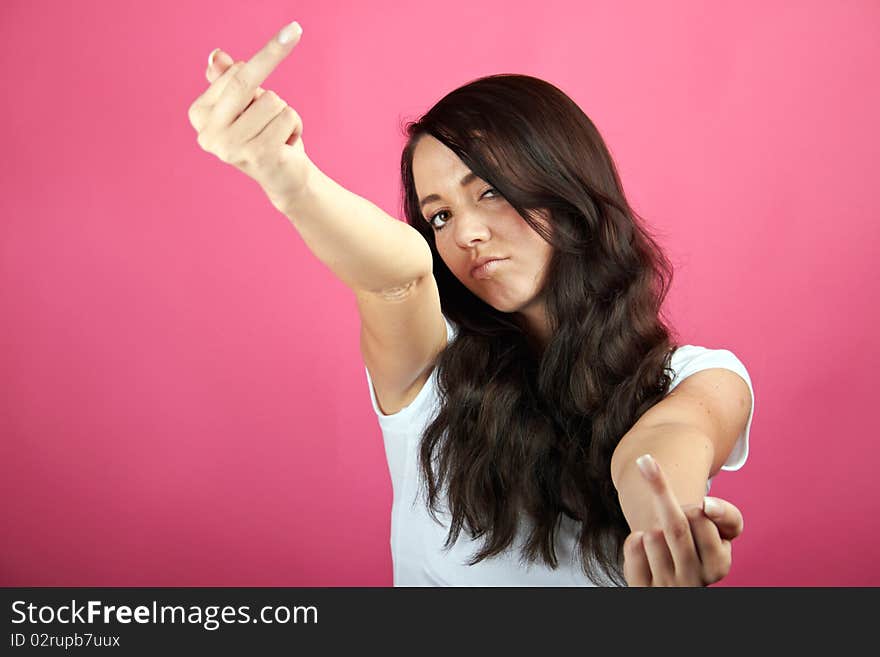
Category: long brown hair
<point>525,432</point>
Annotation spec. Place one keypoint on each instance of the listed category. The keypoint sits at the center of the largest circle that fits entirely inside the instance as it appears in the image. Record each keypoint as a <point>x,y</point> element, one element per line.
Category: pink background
<point>182,399</point>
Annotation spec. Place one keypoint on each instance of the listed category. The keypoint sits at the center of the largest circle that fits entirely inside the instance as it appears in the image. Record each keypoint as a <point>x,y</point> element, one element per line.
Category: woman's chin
<point>499,301</point>
<point>502,306</point>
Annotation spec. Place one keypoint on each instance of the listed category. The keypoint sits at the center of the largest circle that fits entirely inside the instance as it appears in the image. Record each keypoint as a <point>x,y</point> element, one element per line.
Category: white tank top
<point>417,539</point>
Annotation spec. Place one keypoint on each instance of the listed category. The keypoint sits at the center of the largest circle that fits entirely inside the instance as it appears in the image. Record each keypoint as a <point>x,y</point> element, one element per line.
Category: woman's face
<point>473,221</point>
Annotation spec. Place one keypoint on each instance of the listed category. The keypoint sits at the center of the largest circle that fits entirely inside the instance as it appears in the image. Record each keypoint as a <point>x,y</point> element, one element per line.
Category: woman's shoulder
<point>688,359</point>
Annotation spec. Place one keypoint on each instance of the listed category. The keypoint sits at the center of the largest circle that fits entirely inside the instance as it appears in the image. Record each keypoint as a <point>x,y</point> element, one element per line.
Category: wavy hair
<point>531,432</point>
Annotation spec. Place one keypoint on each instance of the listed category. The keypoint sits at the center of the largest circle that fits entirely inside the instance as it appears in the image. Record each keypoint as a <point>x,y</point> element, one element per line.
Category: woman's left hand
<point>689,548</point>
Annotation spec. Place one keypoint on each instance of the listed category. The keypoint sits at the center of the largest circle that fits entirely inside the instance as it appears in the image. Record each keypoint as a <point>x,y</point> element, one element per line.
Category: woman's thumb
<point>218,62</point>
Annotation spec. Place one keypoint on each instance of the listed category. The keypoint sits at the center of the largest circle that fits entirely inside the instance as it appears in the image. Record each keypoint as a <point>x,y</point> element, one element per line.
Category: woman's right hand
<point>253,130</point>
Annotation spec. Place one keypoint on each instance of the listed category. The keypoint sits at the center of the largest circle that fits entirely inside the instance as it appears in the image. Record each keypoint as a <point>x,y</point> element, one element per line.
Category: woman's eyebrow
<point>467,180</point>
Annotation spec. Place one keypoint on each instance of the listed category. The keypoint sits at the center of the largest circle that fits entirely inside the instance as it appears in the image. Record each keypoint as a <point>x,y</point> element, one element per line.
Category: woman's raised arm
<point>384,261</point>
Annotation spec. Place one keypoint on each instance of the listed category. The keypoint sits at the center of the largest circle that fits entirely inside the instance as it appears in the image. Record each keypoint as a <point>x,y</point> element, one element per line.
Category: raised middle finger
<point>241,88</point>
<point>673,521</point>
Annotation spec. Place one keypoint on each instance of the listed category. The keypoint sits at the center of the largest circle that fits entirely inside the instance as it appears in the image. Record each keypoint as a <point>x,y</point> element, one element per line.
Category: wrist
<point>290,200</point>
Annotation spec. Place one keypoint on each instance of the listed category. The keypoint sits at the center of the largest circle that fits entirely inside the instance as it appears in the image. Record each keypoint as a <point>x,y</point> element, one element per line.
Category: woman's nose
<point>470,227</point>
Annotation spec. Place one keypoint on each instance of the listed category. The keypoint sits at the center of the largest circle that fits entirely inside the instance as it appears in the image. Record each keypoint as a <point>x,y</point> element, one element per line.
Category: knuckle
<point>629,545</point>
<point>718,564</point>
<point>197,114</point>
<point>239,80</point>
<point>694,514</point>
<point>203,141</point>
<point>718,571</point>
<point>227,154</point>
<point>277,103</point>
<point>293,120</point>
<point>635,541</point>
<point>236,85</point>
<point>680,530</point>
<point>289,117</point>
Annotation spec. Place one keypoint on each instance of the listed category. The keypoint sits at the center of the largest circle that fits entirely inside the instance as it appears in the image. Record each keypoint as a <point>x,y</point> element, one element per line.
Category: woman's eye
<point>437,214</point>
<point>433,217</point>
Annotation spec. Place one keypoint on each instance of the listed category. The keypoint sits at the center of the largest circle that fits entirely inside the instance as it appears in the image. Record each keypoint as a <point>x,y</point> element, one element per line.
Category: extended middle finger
<point>241,88</point>
<point>673,521</point>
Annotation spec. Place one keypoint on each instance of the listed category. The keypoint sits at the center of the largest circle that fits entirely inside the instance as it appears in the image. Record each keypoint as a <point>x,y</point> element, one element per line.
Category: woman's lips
<point>486,270</point>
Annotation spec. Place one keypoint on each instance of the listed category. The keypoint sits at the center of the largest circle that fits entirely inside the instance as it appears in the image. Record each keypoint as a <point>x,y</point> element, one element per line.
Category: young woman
<point>515,353</point>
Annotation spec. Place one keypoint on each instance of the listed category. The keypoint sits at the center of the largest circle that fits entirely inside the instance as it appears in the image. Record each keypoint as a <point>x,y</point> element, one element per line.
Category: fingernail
<point>211,57</point>
<point>647,465</point>
<point>221,59</point>
<point>287,34</point>
<point>712,507</point>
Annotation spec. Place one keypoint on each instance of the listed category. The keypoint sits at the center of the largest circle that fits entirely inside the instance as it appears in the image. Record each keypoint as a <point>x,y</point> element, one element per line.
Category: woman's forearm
<point>685,455</point>
<point>366,248</point>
